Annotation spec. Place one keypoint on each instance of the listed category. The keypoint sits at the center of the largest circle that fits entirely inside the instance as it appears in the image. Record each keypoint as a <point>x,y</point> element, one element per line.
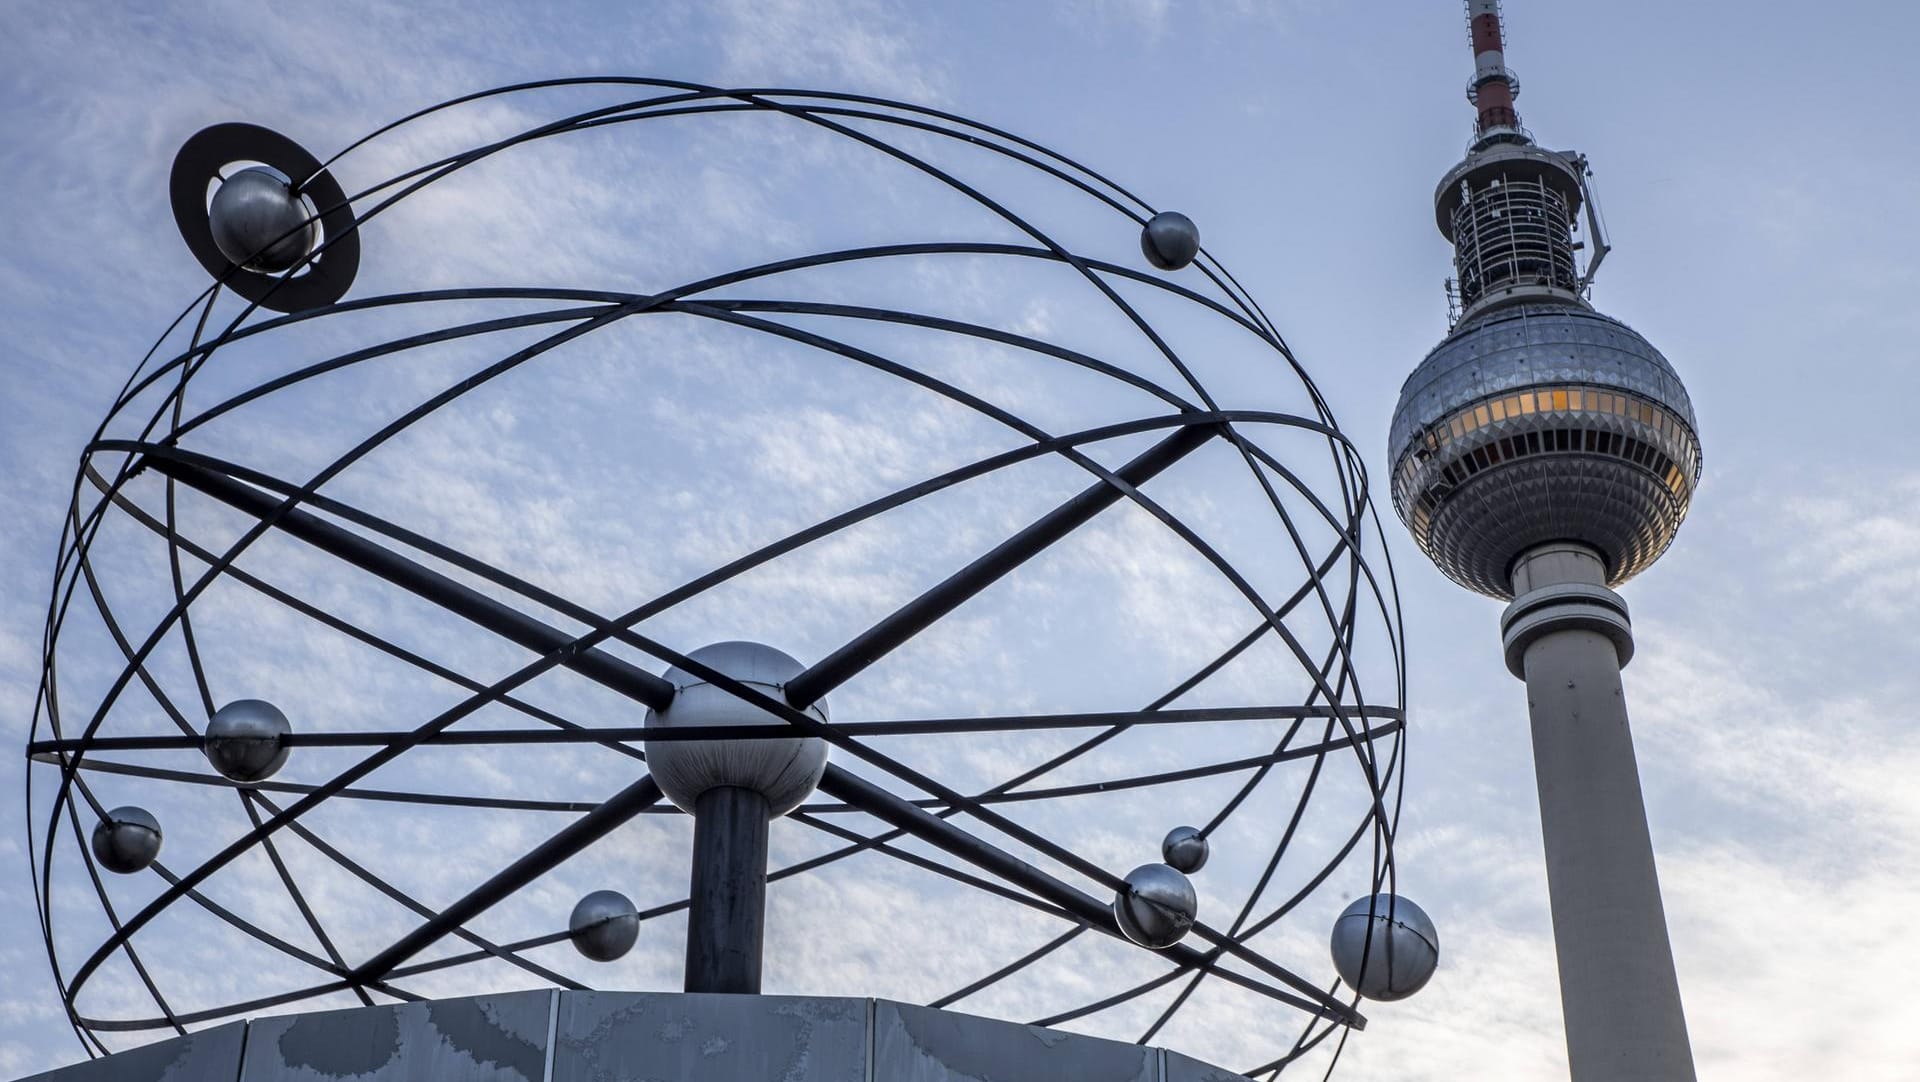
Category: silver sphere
<point>126,840</point>
<point>1156,907</point>
<point>604,925</point>
<point>1170,240</point>
<point>245,740</point>
<point>785,770</point>
<point>1186,849</point>
<point>1398,943</point>
<point>259,223</point>
<point>1538,423</point>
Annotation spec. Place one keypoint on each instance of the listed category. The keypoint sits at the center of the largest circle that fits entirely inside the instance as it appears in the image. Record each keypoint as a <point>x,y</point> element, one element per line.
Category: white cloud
<point>1859,540</point>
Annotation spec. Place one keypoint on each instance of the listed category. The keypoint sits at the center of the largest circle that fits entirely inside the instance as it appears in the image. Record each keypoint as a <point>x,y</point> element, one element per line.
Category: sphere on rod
<point>1186,849</point>
<point>1170,240</point>
<point>783,769</point>
<point>604,925</point>
<point>126,840</point>
<point>1385,947</point>
<point>1156,907</point>
<point>245,740</point>
<point>259,223</point>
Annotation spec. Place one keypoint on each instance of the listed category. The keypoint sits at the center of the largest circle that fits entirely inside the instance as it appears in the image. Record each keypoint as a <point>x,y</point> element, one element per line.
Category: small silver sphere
<point>785,770</point>
<point>1156,907</point>
<point>259,223</point>
<point>244,740</point>
<point>126,840</point>
<point>1170,240</point>
<point>1185,848</point>
<point>1398,943</point>
<point>604,925</point>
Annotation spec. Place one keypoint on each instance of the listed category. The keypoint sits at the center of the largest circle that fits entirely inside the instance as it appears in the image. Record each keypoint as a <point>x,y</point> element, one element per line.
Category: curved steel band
<point>1568,607</point>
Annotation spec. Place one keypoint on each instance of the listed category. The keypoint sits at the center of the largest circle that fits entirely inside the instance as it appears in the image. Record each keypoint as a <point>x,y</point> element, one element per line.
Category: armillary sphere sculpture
<point>390,623</point>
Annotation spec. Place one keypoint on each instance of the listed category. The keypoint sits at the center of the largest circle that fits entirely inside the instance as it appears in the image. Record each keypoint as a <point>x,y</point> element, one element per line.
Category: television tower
<point>1545,453</point>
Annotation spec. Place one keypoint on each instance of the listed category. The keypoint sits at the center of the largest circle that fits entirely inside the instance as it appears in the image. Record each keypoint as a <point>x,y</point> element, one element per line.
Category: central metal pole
<point>1567,635</point>
<point>727,918</point>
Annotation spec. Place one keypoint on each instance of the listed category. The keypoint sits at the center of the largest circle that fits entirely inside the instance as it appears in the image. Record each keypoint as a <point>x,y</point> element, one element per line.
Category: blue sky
<point>1755,169</point>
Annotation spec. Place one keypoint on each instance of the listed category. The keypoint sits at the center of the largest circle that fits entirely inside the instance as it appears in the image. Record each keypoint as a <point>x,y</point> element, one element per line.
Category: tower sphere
<point>1542,422</point>
<point>126,840</point>
<point>604,925</point>
<point>1156,906</point>
<point>245,742</point>
<point>259,223</point>
<point>1385,947</point>
<point>782,769</point>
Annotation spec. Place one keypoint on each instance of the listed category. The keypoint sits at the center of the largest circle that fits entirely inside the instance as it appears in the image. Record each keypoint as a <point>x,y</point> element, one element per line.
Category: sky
<point>1753,167</point>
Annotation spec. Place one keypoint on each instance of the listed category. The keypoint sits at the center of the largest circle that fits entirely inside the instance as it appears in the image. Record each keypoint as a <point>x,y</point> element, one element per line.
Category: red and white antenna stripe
<point>1493,87</point>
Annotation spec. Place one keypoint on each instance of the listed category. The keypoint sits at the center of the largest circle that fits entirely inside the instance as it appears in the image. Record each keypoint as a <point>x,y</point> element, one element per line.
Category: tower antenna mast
<point>1493,88</point>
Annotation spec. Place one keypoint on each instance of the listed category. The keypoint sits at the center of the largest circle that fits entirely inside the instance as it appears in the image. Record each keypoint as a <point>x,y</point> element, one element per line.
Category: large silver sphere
<point>1185,848</point>
<point>126,840</point>
<point>1397,943</point>
<point>604,925</point>
<point>259,223</point>
<point>784,770</point>
<point>1170,240</point>
<point>245,740</point>
<point>1156,907</point>
<point>1539,423</point>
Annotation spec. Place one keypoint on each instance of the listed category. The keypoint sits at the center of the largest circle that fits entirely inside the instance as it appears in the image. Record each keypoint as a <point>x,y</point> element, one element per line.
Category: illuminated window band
<point>1540,432</point>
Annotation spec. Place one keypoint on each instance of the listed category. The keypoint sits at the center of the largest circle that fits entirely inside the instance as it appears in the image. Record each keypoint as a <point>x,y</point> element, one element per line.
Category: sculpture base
<point>556,1036</point>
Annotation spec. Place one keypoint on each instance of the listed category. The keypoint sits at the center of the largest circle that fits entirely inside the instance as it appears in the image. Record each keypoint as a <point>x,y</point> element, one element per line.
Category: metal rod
<point>727,914</point>
<point>462,600</point>
<point>913,617</point>
<point>621,733</point>
<point>1000,795</point>
<point>943,835</point>
<point>541,859</point>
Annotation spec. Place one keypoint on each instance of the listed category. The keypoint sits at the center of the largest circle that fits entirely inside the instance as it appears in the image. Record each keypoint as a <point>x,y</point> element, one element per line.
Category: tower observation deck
<point>1545,453</point>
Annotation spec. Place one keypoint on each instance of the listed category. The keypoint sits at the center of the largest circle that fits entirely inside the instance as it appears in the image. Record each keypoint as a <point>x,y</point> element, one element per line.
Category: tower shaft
<point>1620,996</point>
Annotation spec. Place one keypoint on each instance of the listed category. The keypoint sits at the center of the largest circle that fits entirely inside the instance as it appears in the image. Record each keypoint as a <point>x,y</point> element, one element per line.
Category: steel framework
<point>140,479</point>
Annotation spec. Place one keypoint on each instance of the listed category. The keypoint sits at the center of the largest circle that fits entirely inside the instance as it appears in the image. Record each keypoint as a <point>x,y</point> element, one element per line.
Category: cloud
<point>862,45</point>
<point>1857,541</point>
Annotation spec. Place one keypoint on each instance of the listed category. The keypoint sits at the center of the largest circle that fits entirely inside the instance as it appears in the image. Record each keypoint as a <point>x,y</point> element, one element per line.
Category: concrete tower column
<point>1568,637</point>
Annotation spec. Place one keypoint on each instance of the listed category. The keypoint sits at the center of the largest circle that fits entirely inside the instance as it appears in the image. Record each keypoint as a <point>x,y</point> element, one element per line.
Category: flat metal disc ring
<point>199,163</point>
